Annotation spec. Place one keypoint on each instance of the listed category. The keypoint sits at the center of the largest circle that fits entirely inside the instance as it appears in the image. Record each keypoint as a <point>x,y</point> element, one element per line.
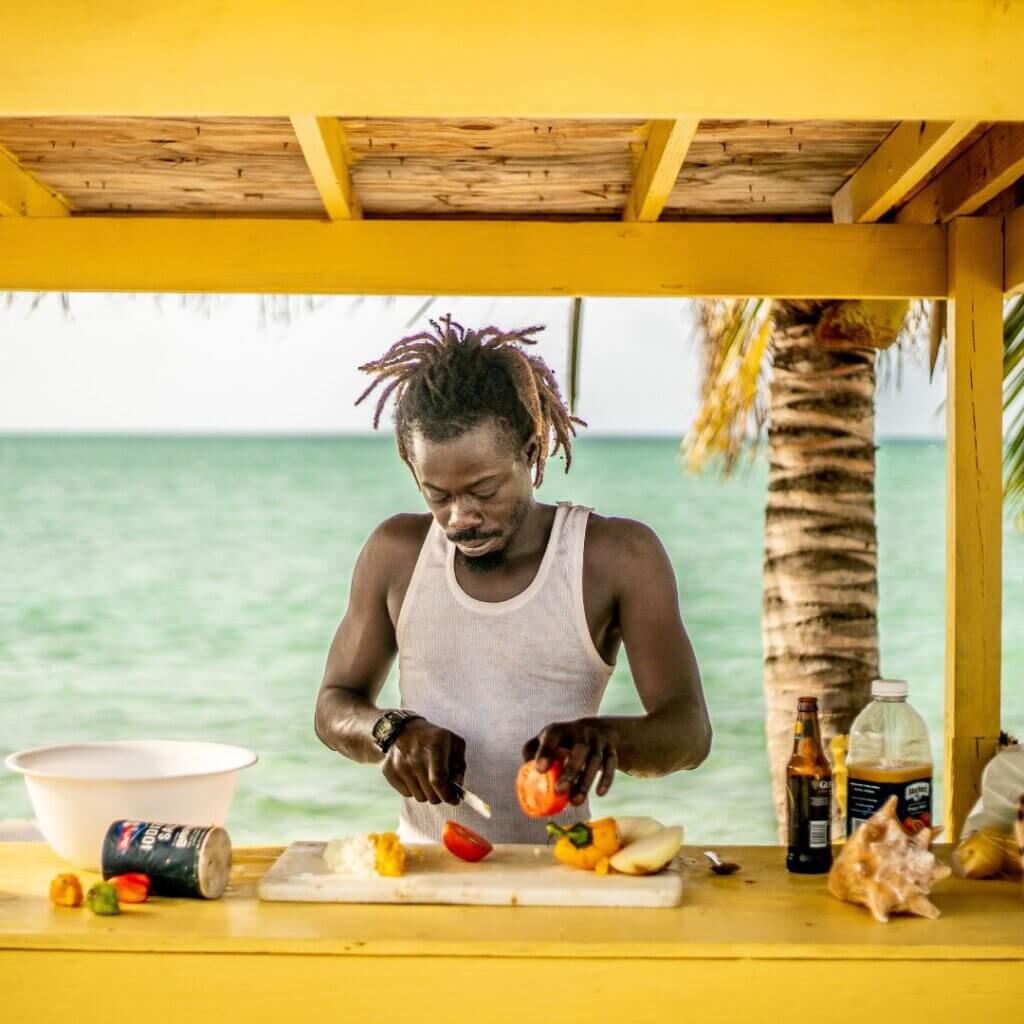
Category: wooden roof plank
<point>446,58</point>
<point>896,168</point>
<point>663,155</point>
<point>327,155</point>
<point>979,174</point>
<point>22,195</point>
<point>509,258</point>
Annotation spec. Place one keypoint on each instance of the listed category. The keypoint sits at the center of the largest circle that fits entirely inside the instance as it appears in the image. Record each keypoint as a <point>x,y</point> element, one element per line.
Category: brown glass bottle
<point>808,796</point>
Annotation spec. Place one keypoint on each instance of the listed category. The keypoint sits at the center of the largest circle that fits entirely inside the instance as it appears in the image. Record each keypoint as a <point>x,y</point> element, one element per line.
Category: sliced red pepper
<point>464,842</point>
<point>131,888</point>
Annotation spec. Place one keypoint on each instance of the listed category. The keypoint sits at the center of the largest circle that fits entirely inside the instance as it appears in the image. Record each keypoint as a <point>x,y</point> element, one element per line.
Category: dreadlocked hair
<point>448,380</point>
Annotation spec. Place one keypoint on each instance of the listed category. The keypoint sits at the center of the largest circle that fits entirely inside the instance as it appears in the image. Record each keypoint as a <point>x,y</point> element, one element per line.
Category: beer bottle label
<point>810,806</point>
<point>913,801</point>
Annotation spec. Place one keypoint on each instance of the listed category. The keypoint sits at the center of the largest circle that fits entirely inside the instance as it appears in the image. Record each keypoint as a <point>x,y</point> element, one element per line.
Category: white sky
<point>143,364</point>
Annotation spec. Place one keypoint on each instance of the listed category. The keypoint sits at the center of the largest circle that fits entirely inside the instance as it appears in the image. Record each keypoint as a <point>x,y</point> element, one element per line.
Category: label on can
<point>173,856</point>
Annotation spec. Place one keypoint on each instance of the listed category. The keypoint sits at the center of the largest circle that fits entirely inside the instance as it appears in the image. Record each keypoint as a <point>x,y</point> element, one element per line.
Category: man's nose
<point>464,515</point>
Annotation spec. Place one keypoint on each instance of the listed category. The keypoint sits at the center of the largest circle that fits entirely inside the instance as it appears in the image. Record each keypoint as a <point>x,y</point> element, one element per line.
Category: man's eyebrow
<point>487,477</point>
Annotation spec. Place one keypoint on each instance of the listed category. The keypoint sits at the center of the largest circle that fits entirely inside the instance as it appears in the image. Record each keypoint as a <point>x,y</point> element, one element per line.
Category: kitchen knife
<point>474,802</point>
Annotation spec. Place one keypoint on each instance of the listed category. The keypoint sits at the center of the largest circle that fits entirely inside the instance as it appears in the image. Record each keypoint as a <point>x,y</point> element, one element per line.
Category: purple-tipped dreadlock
<point>446,381</point>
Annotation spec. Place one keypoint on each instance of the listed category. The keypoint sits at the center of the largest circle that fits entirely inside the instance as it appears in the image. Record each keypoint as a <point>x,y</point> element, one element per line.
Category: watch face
<point>383,728</point>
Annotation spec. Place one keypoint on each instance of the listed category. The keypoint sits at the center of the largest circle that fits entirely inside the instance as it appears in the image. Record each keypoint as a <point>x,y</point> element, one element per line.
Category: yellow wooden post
<point>974,509</point>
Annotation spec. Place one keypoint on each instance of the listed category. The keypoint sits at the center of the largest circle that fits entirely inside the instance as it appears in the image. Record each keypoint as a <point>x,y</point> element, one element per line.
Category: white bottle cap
<point>889,688</point>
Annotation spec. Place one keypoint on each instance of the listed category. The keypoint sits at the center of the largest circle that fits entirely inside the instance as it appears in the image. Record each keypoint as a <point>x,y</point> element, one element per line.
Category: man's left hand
<point>587,748</point>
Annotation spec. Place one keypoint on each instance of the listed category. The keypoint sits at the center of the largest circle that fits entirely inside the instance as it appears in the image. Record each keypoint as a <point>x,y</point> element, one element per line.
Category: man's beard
<point>487,562</point>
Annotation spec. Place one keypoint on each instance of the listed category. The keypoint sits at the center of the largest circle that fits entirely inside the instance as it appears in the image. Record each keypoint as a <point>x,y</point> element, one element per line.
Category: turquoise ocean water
<point>189,587</point>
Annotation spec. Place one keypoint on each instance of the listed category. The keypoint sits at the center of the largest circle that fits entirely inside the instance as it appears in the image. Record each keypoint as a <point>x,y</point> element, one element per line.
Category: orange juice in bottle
<point>889,753</point>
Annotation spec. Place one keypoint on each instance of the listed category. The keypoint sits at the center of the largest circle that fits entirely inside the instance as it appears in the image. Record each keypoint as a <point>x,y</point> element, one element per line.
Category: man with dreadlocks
<point>506,614</point>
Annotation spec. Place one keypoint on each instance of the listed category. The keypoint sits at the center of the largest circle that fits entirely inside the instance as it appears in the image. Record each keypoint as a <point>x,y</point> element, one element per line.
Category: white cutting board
<point>511,875</point>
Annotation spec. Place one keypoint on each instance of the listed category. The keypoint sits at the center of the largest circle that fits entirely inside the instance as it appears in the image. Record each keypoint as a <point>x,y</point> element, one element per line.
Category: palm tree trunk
<point>820,625</point>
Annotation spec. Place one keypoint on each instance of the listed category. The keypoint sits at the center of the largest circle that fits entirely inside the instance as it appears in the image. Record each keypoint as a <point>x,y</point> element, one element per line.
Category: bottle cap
<point>807,704</point>
<point>889,688</point>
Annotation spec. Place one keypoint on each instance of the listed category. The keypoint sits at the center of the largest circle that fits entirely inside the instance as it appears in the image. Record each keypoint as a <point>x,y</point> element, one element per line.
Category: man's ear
<point>531,450</point>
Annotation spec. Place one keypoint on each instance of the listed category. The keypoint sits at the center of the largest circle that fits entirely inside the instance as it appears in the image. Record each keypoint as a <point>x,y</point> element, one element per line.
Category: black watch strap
<point>389,727</point>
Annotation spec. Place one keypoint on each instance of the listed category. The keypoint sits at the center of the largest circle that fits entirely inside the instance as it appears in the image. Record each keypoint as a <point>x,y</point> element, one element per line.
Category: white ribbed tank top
<point>496,673</point>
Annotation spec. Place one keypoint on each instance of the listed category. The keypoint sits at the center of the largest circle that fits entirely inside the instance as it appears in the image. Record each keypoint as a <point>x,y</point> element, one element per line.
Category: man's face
<point>478,488</point>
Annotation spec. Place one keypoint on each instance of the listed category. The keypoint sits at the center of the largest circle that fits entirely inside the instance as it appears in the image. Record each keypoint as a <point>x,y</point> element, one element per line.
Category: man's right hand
<point>424,761</point>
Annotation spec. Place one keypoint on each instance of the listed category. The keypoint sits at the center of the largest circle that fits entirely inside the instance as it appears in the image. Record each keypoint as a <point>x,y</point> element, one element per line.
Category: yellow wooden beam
<point>1013,252</point>
<point>473,258</point>
<point>22,195</point>
<point>664,153</point>
<point>452,59</point>
<point>327,156</point>
<point>974,519</point>
<point>979,174</point>
<point>895,168</point>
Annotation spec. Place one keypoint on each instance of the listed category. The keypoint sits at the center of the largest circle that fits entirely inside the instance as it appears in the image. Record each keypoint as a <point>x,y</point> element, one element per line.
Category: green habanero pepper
<point>102,899</point>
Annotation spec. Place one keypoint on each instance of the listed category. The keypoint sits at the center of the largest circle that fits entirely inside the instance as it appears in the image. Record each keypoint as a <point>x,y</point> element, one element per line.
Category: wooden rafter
<point>903,160</point>
<point>1013,242</point>
<point>508,258</point>
<point>267,58</point>
<point>327,156</point>
<point>979,174</point>
<point>22,195</point>
<point>658,168</point>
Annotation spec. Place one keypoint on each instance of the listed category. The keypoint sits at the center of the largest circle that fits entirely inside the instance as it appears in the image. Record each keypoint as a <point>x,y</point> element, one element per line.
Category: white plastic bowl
<point>78,789</point>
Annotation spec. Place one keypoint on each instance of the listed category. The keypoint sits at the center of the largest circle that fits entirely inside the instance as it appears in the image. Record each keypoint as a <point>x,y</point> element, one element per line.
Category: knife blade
<point>474,802</point>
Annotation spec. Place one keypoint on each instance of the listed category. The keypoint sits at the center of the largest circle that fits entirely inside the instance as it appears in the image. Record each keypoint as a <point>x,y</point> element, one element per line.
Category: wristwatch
<point>389,727</point>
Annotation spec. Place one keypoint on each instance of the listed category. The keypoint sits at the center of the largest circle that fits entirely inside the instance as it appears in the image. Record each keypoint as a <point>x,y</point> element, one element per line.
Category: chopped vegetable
<point>102,899</point>
<point>389,854</point>
<point>464,842</point>
<point>650,854</point>
<point>587,846</point>
<point>131,888</point>
<point>632,829</point>
<point>66,891</point>
<point>536,790</point>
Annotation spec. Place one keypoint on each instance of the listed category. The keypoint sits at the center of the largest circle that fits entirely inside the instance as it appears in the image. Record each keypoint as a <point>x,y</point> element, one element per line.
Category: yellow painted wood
<point>91,988</point>
<point>979,174</point>
<point>327,156</point>
<point>473,258</point>
<point>901,162</point>
<point>973,509</point>
<point>762,913</point>
<point>533,58</point>
<point>1013,242</point>
<point>658,168</point>
<point>22,195</point>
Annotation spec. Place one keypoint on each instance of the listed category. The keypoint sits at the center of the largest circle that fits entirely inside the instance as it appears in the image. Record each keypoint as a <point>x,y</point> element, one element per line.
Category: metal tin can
<point>181,860</point>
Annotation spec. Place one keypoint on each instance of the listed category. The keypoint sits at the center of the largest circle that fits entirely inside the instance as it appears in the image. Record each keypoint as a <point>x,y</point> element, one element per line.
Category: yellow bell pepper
<point>66,891</point>
<point>587,845</point>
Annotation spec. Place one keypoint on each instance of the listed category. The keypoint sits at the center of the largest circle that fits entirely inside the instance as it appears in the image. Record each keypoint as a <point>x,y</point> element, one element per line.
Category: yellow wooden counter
<point>761,945</point>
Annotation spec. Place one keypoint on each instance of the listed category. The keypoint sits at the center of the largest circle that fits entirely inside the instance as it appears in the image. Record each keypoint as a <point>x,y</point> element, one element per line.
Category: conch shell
<point>886,870</point>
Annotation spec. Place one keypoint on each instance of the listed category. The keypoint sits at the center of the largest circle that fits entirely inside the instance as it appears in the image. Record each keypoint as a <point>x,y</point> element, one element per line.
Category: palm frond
<point>734,392</point>
<point>1013,407</point>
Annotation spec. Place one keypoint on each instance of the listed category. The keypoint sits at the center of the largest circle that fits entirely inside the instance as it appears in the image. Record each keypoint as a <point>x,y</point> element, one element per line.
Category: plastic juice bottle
<point>808,796</point>
<point>889,753</point>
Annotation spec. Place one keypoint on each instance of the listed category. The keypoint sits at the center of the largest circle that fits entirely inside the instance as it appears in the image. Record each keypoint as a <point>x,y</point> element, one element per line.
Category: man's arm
<point>675,732</point>
<point>359,658</point>
<point>425,758</point>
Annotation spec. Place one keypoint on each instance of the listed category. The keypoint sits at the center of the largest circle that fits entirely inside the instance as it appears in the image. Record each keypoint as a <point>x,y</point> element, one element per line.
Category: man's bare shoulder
<point>617,544</point>
<point>396,542</point>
